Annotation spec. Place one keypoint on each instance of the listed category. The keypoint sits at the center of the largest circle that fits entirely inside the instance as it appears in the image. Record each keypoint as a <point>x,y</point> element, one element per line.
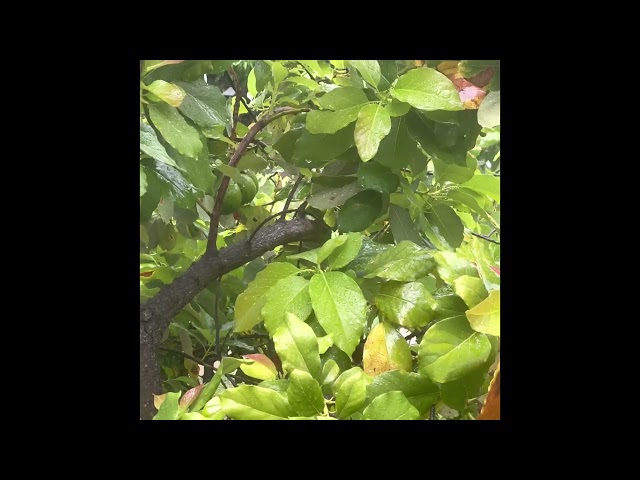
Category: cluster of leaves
<point>394,317</point>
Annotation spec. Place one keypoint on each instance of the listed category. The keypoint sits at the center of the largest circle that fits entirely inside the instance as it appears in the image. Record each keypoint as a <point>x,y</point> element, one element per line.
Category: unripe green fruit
<point>232,199</point>
<point>247,187</point>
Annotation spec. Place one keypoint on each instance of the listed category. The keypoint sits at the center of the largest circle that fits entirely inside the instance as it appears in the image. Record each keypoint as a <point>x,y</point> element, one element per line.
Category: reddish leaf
<point>146,274</point>
<point>491,407</point>
<point>495,269</point>
<point>189,396</point>
<point>483,78</point>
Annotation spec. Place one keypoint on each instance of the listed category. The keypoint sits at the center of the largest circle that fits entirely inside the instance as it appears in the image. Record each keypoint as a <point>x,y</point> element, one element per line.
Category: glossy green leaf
<point>213,410</point>
<point>189,70</point>
<point>369,70</point>
<point>342,98</point>
<point>315,150</point>
<point>286,143</point>
<point>360,211</point>
<point>318,255</point>
<point>323,197</point>
<point>227,365</point>
<point>330,371</point>
<point>250,402</point>
<point>347,374</point>
<point>367,253</point>
<point>485,316</point>
<point>249,303</point>
<point>168,92</point>
<point>304,394</point>
<point>345,253</point>
<point>486,255</point>
<point>489,111</point>
<point>324,343</point>
<point>143,181</point>
<point>447,172</point>
<point>182,190</point>
<point>405,262</point>
<point>170,409</point>
<point>470,289</point>
<point>391,406</point>
<point>398,148</point>
<point>374,176</point>
<point>204,104</point>
<point>466,198</point>
<point>350,395</point>
<point>252,161</point>
<point>330,122</point>
<point>418,389</point>
<point>339,307</point>
<point>407,304</point>
<point>288,295</point>
<point>402,226</point>
<point>397,108</point>
<point>150,145</point>
<point>451,349</point>
<point>444,142</point>
<point>427,89</point>
<point>175,129</point>
<point>384,350</point>
<point>297,346</point>
<point>372,126</point>
<point>262,367</point>
<point>451,265</point>
<point>196,169</point>
<point>279,385</point>
<point>448,305</point>
<point>487,184</point>
<point>445,227</point>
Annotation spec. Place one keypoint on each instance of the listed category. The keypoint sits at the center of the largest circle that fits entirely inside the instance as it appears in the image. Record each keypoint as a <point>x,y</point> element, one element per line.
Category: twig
<point>290,197</point>
<point>217,319</point>
<point>483,237</point>
<point>270,217</point>
<point>233,161</point>
<point>231,74</point>
<point>190,357</point>
<point>199,202</point>
<point>254,335</point>
<point>381,231</point>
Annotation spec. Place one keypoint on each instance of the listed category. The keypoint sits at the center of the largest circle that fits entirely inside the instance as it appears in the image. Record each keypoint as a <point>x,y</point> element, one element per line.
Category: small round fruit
<point>248,188</point>
<point>232,199</point>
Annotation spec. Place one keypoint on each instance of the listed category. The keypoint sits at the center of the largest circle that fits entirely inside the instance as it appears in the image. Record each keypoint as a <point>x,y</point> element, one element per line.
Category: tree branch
<point>233,161</point>
<point>290,197</point>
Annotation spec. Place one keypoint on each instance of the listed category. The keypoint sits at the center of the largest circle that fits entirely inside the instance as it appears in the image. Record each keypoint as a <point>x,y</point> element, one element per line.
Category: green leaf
<point>189,70</point>
<point>250,402</point>
<point>398,148</point>
<point>183,191</point>
<point>168,92</point>
<point>304,394</point>
<point>330,122</point>
<point>175,129</point>
<point>204,104</point>
<point>317,255</point>
<point>330,371</point>
<point>397,108</point>
<point>450,266</point>
<point>489,111</point>
<point>470,289</point>
<point>345,253</point>
<point>262,367</point>
<point>170,409</point>
<point>418,389</point>
<point>360,211</point>
<point>197,169</point>
<point>323,197</point>
<point>391,406</point>
<point>307,82</point>
<point>444,142</point>
<point>344,376</point>
<point>407,304</point>
<point>350,395</point>
<point>385,349</point>
<point>252,161</point>
<point>427,89</point>
<point>445,227</point>
<point>448,305</point>
<point>342,98</point>
<point>374,176</point>
<point>367,253</point>
<point>143,182</point>
<point>447,172</point>
<point>451,349</point>
<point>404,262</point>
<point>315,150</point>
<point>212,410</point>
<point>286,143</point>
<point>369,70</point>
<point>195,416</point>
<point>289,295</point>
<point>372,126</point>
<point>467,199</point>
<point>297,346</point>
<point>486,184</point>
<point>339,307</point>
<point>402,226</point>
<point>150,145</point>
<point>227,365</point>
<point>249,303</point>
<point>324,343</point>
<point>485,316</point>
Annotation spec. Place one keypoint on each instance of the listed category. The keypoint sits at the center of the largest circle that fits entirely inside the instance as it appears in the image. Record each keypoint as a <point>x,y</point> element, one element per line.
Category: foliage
<point>397,315</point>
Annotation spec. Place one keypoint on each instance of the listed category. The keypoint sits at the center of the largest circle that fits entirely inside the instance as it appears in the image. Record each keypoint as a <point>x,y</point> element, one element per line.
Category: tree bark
<point>157,313</point>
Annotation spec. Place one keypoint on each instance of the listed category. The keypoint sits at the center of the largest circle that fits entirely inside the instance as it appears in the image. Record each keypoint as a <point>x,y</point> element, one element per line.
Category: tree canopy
<point>319,239</point>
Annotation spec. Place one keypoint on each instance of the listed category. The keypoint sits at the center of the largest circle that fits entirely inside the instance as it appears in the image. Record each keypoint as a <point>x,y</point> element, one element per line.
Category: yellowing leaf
<point>448,67</point>
<point>385,350</point>
<point>262,368</point>
<point>168,92</point>
<point>485,316</point>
